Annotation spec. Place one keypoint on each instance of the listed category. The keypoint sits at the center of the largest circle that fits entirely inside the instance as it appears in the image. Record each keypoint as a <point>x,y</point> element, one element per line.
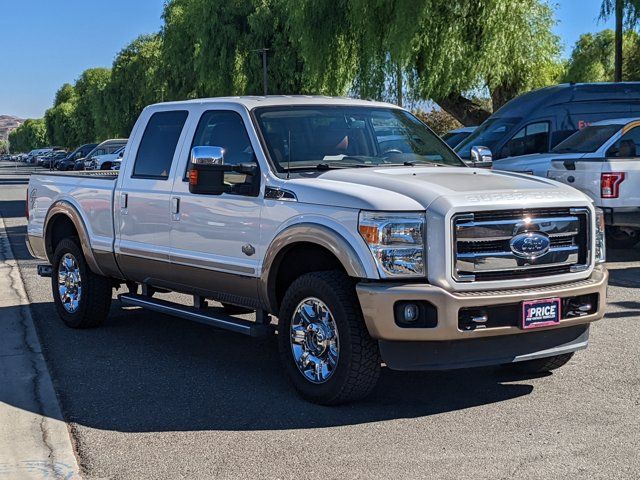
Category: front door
<point>143,202</point>
<point>215,239</point>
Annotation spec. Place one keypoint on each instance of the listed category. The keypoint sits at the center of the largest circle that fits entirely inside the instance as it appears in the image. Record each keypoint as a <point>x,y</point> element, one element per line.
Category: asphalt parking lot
<point>150,396</point>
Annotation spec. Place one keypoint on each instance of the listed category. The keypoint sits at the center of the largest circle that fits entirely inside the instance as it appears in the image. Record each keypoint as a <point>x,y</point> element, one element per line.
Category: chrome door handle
<point>175,205</point>
<point>124,201</point>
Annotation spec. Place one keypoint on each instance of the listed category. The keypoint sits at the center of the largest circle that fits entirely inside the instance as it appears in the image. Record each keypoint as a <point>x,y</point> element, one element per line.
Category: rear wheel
<point>82,298</point>
<point>540,365</point>
<point>324,344</point>
<point>622,238</point>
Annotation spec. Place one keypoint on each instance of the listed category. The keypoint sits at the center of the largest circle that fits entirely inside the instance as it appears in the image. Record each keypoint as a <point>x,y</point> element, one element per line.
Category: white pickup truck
<point>366,253</point>
<point>603,161</point>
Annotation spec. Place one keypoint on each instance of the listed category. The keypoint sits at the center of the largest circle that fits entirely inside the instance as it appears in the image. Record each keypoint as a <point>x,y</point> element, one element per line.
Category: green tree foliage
<point>444,48</point>
<point>136,82</point>
<point>91,118</point>
<point>60,120</point>
<point>211,48</point>
<point>4,147</point>
<point>592,58</point>
<point>30,135</point>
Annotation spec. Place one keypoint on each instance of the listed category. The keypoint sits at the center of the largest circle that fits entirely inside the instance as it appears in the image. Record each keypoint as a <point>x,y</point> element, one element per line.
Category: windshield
<point>323,137</point>
<point>587,140</point>
<point>487,135</point>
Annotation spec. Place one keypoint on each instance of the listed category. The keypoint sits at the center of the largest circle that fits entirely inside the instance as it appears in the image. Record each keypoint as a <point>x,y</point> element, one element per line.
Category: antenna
<point>289,156</point>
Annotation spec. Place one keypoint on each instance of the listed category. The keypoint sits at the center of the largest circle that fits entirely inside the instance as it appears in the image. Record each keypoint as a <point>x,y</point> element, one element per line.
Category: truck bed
<point>90,192</point>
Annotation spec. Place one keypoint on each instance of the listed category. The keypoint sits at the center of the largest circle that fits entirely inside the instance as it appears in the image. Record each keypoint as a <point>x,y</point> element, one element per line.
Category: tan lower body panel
<point>378,299</point>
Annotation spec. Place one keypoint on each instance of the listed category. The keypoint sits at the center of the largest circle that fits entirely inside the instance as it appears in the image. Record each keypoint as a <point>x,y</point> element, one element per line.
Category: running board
<point>226,322</point>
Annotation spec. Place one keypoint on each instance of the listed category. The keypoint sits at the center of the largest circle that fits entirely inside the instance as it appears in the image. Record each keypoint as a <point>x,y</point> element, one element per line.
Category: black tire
<point>540,365</point>
<point>619,239</point>
<point>231,309</point>
<point>358,366</point>
<point>94,300</point>
<point>106,166</point>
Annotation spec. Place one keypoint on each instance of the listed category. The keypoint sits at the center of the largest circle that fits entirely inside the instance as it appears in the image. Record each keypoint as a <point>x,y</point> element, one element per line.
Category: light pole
<point>264,51</point>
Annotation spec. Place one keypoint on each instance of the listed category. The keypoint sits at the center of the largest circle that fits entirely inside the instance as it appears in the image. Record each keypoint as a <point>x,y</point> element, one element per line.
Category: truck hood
<point>416,188</point>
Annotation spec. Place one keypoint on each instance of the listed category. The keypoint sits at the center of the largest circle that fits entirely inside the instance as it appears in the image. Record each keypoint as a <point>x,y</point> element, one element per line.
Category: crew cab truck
<point>366,254</point>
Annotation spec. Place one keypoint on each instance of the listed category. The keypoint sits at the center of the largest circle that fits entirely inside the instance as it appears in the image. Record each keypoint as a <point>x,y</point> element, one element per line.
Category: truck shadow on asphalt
<point>147,372</point>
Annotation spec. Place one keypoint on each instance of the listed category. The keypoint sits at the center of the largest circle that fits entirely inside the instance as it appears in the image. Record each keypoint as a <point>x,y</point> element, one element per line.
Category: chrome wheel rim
<point>69,283</point>
<point>314,340</point>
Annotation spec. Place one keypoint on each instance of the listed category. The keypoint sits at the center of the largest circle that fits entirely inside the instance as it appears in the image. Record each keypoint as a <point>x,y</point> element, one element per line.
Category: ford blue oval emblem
<point>530,245</point>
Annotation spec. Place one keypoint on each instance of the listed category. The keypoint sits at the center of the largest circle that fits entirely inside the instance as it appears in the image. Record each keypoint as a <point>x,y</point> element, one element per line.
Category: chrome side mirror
<point>481,157</point>
<point>207,155</point>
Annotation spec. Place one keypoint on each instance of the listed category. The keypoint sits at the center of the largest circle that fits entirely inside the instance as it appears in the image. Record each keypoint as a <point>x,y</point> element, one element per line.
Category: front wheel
<point>82,298</point>
<point>324,344</point>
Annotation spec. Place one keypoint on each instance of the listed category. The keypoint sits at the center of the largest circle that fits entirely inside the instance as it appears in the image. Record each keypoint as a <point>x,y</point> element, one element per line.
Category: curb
<point>34,439</point>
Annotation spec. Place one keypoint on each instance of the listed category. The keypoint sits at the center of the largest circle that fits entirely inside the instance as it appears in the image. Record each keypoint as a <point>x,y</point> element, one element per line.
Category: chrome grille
<point>482,243</point>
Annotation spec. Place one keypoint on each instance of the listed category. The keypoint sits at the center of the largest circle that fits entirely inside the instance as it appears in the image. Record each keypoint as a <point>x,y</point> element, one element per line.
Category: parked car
<point>82,151</point>
<point>32,156</point>
<point>46,159</point>
<point>610,175</point>
<point>538,121</point>
<point>593,141</point>
<point>104,148</point>
<point>106,161</point>
<point>54,158</point>
<point>454,137</point>
<point>288,206</point>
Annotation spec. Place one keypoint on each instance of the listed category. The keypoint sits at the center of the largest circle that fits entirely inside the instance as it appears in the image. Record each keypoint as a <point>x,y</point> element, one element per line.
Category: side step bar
<point>226,322</point>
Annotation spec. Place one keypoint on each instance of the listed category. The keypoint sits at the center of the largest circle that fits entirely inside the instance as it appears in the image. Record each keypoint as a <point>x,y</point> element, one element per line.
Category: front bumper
<point>377,301</point>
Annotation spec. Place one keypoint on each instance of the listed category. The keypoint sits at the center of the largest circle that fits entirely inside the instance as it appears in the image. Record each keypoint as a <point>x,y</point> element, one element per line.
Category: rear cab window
<point>158,145</point>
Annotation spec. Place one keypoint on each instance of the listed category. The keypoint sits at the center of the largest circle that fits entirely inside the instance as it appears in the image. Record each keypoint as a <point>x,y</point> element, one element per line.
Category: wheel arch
<point>328,250</point>
<point>63,219</point>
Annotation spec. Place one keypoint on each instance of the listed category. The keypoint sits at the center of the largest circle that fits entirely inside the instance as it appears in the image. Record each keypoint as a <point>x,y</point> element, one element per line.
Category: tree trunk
<point>466,111</point>
<point>618,40</point>
<point>501,95</point>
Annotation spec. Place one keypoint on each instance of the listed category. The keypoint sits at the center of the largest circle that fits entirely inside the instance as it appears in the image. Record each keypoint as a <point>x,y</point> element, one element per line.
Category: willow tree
<point>213,48</point>
<point>60,120</point>
<point>91,114</point>
<point>136,81</point>
<point>442,49</point>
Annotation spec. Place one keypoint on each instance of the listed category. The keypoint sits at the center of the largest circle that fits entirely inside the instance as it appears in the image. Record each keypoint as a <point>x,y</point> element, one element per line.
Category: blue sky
<point>45,43</point>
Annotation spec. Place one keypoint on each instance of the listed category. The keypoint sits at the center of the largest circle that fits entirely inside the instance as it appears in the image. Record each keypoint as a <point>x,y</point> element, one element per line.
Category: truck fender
<point>317,234</point>
<point>62,207</point>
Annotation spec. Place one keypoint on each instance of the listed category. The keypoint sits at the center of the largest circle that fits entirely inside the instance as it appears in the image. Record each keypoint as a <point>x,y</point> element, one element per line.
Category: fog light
<point>410,312</point>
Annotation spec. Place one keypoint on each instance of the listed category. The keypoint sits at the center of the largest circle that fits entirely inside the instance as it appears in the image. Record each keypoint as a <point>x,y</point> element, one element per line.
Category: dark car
<point>537,121</point>
<point>49,160</point>
<point>69,161</point>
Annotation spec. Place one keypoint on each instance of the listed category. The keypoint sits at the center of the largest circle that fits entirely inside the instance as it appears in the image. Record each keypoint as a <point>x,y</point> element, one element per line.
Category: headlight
<point>601,246</point>
<point>396,241</point>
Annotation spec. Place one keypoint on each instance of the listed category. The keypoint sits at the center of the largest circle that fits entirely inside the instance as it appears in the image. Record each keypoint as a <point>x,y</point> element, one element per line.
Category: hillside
<point>7,124</point>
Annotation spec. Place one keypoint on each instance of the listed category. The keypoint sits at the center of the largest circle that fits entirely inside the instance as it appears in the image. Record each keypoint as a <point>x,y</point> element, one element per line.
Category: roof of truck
<point>251,102</point>
<point>617,121</point>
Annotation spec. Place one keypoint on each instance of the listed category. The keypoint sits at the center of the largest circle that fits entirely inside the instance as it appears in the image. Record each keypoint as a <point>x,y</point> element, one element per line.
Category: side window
<point>158,144</point>
<point>533,138</point>
<point>627,146</point>
<point>224,128</point>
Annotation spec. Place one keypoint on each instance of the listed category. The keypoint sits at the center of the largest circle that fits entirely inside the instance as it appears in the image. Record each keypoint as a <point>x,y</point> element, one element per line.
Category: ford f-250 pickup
<point>350,221</point>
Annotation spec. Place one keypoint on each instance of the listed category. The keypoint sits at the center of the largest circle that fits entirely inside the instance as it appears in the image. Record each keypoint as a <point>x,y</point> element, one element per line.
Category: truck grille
<point>484,247</point>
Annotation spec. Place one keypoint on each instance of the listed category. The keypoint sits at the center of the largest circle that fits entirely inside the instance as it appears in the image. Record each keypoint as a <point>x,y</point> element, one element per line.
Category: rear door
<point>143,200</point>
